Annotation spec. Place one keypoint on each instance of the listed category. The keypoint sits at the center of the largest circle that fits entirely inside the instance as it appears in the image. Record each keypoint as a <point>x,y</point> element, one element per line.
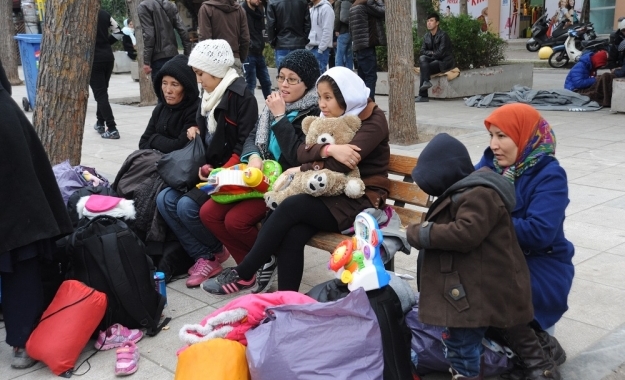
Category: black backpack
<point>107,256</point>
<point>85,191</point>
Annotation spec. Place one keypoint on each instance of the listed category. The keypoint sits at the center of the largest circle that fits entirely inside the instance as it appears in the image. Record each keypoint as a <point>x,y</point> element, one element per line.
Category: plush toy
<point>322,182</point>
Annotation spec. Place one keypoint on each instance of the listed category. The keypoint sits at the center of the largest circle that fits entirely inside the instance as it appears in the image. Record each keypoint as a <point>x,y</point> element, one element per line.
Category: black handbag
<point>179,169</point>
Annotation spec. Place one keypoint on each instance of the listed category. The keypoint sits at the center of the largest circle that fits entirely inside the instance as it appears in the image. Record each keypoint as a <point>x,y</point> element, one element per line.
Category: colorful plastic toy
<point>357,261</point>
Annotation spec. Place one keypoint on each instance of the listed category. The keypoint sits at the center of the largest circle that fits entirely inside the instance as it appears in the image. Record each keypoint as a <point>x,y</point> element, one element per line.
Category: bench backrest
<point>405,192</point>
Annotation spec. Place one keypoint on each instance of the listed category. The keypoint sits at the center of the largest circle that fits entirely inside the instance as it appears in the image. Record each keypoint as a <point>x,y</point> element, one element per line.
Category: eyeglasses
<point>291,81</point>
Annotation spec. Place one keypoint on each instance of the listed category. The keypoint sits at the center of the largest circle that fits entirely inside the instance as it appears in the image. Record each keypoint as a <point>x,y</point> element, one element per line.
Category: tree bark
<point>464,8</point>
<point>7,42</point>
<point>402,118</point>
<point>67,46</point>
<point>146,88</point>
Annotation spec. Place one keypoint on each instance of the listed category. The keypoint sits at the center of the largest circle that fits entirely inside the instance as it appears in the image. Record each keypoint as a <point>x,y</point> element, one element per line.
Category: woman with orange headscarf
<point>522,149</point>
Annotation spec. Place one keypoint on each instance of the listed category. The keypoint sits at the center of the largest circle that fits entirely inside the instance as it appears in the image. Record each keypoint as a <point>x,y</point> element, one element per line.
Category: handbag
<point>179,169</point>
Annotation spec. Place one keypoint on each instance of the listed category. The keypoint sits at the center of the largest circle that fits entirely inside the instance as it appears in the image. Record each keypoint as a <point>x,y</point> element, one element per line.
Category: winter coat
<point>538,217</point>
<point>288,24</point>
<point>32,206</point>
<point>366,24</point>
<point>103,40</point>
<point>438,46</point>
<point>340,26</point>
<point>372,139</point>
<point>615,57</point>
<point>226,20</point>
<point>158,20</point>
<point>473,272</point>
<point>322,26</point>
<point>167,128</point>
<point>581,75</point>
<point>255,25</point>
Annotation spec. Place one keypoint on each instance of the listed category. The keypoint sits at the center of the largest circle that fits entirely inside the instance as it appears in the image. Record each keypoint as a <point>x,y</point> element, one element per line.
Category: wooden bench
<point>408,200</point>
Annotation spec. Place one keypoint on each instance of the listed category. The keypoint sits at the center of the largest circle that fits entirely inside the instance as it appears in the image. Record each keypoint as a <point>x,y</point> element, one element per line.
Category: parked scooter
<point>539,34</point>
<point>580,40</point>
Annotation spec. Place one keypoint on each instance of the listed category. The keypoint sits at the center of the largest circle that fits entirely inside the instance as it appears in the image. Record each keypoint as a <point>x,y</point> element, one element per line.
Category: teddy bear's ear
<point>353,122</point>
<point>307,122</point>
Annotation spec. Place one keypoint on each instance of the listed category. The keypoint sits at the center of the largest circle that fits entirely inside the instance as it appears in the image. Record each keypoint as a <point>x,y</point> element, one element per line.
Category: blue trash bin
<point>29,45</point>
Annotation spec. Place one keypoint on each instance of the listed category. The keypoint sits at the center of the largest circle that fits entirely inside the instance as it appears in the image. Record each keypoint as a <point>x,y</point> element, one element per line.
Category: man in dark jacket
<point>225,20</point>
<point>255,65</point>
<point>436,55</point>
<point>158,20</point>
<point>617,46</point>
<point>288,26</point>
<point>366,25</point>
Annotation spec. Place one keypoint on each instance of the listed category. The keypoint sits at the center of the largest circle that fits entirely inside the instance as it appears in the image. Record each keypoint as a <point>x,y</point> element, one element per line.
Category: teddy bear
<point>322,182</point>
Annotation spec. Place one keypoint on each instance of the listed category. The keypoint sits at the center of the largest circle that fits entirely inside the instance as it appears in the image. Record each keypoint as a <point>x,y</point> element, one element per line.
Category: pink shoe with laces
<point>116,336</point>
<point>220,256</point>
<point>202,271</point>
<point>127,361</point>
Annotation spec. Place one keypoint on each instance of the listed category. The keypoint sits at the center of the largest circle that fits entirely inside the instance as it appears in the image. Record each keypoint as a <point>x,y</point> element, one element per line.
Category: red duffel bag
<point>66,326</point>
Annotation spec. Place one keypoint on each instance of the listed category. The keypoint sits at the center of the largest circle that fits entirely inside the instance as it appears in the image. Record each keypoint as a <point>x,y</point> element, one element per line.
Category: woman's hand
<point>276,104</point>
<point>192,132</point>
<point>203,178</point>
<point>347,154</point>
<point>255,162</point>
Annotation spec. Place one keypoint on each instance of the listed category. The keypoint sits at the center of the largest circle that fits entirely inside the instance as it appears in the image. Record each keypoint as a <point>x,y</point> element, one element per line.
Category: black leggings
<point>285,234</point>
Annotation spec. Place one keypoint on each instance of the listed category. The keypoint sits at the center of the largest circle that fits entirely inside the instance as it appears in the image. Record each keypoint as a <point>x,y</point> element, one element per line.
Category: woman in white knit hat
<point>226,116</point>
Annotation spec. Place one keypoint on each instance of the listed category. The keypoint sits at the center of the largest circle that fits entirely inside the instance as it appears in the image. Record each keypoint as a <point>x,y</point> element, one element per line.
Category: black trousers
<point>22,299</point>
<point>285,234</point>
<point>428,67</point>
<point>99,82</point>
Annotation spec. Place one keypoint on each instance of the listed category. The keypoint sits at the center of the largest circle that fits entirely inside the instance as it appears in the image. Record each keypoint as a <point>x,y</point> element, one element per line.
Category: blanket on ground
<point>542,100</point>
<point>601,91</point>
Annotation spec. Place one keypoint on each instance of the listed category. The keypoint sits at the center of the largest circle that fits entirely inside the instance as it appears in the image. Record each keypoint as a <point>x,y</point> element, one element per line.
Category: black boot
<point>536,364</point>
<point>551,346</point>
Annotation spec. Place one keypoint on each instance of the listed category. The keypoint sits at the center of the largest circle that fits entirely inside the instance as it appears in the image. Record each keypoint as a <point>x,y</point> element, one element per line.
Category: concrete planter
<point>122,62</point>
<point>618,95</point>
<point>134,70</point>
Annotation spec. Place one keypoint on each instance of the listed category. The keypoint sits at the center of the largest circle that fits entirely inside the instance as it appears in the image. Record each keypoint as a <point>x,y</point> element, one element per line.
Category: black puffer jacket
<point>256,25</point>
<point>438,47</point>
<point>616,58</point>
<point>167,128</point>
<point>366,24</point>
<point>288,24</point>
<point>158,20</point>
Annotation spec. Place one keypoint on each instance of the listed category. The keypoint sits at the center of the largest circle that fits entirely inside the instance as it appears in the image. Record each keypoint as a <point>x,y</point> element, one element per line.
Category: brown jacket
<point>375,153</point>
<point>226,20</point>
<point>474,273</point>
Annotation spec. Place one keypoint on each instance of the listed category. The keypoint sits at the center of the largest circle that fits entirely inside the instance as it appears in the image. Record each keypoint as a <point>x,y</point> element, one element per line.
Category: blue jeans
<point>281,53</point>
<point>463,349</point>
<point>182,215</point>
<point>344,53</point>
<point>255,67</point>
<point>322,58</point>
<point>368,68</point>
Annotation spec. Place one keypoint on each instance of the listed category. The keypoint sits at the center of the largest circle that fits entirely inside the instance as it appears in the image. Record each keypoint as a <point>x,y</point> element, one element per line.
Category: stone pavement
<point>591,147</point>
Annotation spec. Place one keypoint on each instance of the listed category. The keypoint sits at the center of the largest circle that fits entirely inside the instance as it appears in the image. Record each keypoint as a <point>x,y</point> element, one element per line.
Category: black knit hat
<point>304,64</point>
<point>178,68</point>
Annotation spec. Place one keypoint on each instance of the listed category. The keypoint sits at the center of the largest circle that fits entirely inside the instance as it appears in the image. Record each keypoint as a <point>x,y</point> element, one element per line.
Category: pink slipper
<point>127,359</point>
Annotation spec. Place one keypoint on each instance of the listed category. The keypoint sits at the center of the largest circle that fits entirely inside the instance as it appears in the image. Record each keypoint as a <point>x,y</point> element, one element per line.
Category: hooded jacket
<point>32,207</point>
<point>321,26</point>
<point>255,25</point>
<point>366,24</point>
<point>581,75</point>
<point>226,20</point>
<point>288,24</point>
<point>474,273</point>
<point>167,128</point>
<point>158,20</point>
<point>103,40</point>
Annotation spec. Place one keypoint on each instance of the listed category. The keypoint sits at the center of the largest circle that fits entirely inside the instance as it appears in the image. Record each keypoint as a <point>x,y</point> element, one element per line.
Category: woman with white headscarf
<point>286,232</point>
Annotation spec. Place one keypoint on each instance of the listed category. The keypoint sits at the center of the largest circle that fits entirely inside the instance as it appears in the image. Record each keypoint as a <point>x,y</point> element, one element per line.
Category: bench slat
<point>408,193</point>
<point>402,165</point>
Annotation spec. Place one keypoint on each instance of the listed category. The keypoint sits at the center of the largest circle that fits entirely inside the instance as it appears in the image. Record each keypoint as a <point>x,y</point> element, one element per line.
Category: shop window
<point>602,15</point>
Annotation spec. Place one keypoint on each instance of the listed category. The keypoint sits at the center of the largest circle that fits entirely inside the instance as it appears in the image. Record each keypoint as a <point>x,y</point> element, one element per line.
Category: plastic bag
<point>71,178</point>
<point>216,359</point>
<point>179,169</point>
<point>334,340</point>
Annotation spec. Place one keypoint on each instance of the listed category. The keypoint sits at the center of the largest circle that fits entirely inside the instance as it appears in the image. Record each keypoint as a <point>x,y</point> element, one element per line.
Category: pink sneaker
<point>202,271</point>
<point>115,336</point>
<point>127,359</point>
<point>221,256</point>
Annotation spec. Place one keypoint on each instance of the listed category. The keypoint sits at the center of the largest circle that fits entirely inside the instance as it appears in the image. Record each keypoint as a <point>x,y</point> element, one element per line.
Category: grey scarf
<point>266,118</point>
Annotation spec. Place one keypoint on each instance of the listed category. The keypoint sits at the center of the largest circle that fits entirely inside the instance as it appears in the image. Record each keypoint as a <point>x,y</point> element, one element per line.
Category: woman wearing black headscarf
<point>32,216</point>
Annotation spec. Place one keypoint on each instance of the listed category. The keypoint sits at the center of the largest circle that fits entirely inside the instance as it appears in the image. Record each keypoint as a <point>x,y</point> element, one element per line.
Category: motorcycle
<point>539,34</point>
<point>581,39</point>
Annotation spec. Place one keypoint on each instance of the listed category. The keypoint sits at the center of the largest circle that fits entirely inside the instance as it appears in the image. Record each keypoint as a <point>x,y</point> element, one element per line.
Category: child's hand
<point>347,154</point>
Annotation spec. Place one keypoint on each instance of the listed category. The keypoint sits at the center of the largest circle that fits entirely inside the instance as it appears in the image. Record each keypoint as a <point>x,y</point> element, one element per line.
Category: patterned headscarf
<point>531,133</point>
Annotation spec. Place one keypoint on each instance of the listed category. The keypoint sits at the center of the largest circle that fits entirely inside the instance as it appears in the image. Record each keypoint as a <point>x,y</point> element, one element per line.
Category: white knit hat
<point>213,57</point>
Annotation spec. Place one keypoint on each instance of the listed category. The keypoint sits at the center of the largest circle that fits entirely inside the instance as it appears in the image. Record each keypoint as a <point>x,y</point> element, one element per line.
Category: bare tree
<point>402,118</point>
<point>464,8</point>
<point>146,88</point>
<point>67,47</point>
<point>7,43</point>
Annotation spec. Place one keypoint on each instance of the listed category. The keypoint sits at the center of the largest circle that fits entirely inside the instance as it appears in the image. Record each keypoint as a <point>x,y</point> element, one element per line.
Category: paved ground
<point>591,147</point>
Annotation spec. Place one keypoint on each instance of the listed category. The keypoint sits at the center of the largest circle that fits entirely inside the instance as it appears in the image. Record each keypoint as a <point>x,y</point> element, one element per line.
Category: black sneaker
<point>111,135</point>
<point>227,282</point>
<point>421,99</point>
<point>99,128</point>
<point>266,275</point>
<point>427,84</point>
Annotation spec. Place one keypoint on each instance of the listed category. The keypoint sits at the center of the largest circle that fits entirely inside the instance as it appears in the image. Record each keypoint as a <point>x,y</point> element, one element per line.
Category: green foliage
<point>381,53</point>
<point>117,9</point>
<point>269,55</point>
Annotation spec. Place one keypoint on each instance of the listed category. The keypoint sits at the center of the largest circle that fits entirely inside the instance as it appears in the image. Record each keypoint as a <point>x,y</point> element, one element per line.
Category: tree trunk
<point>146,88</point>
<point>585,18</point>
<point>402,118</point>
<point>464,9</point>
<point>7,42</point>
<point>67,47</point>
